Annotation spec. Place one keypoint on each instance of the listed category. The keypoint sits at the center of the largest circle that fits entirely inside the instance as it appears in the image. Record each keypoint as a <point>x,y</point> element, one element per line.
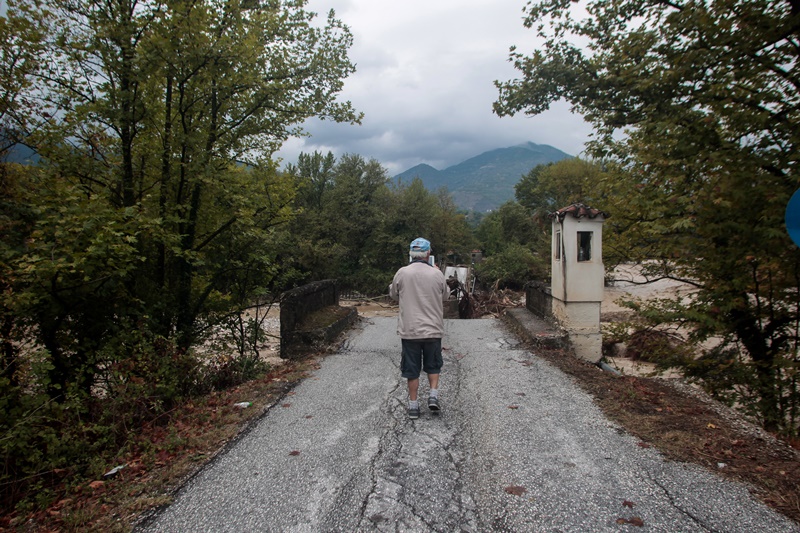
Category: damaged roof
<point>578,211</point>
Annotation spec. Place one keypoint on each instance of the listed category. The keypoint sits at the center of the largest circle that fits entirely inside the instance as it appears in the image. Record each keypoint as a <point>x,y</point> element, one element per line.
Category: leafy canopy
<point>696,108</point>
<point>150,220</point>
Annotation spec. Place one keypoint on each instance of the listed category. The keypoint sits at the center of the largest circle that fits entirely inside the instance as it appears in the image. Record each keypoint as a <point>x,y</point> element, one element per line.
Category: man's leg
<point>432,357</point>
<point>433,398</point>
<point>413,388</point>
<point>410,368</point>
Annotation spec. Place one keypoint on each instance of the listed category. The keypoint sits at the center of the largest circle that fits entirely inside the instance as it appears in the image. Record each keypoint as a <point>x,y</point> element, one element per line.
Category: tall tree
<point>360,234</point>
<point>450,231</point>
<point>315,173</point>
<point>512,244</point>
<point>157,121</point>
<point>355,209</point>
<point>547,188</point>
<point>697,105</point>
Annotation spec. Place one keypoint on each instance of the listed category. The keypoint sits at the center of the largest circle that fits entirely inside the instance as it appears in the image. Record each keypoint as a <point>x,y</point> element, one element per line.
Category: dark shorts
<point>421,354</point>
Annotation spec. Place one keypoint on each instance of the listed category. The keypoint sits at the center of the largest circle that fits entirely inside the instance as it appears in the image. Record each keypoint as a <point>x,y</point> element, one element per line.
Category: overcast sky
<point>424,79</point>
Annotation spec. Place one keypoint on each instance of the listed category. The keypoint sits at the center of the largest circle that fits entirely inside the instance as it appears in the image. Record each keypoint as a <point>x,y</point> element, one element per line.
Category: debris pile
<point>496,301</point>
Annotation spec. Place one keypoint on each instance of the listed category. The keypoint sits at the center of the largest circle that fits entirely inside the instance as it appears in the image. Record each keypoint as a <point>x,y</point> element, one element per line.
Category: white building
<point>578,275</point>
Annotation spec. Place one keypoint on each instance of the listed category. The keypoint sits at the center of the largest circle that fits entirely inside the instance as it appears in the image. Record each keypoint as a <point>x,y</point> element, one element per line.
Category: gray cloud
<point>425,72</point>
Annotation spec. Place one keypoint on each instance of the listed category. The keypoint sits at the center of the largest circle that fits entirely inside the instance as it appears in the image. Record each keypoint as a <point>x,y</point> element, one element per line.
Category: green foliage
<point>357,227</point>
<point>511,268</point>
<point>315,176</point>
<point>44,440</point>
<point>724,374</point>
<point>696,107</point>
<point>152,216</point>
<point>244,331</point>
<point>145,216</point>
<point>511,224</point>
<point>516,249</point>
<point>547,188</point>
<point>651,342</point>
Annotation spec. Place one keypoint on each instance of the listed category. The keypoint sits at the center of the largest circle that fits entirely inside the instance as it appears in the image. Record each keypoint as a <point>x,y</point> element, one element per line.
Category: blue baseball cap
<point>420,245</point>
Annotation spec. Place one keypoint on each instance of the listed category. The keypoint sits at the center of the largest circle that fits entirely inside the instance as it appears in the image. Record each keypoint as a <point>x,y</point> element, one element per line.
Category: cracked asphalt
<point>517,447</point>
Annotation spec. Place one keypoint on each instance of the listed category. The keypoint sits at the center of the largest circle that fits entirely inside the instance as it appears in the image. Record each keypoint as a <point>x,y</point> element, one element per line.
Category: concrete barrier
<point>311,317</point>
<point>539,300</point>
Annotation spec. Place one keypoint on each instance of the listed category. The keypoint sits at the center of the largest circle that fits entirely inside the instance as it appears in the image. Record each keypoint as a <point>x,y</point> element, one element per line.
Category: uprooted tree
<point>697,108</point>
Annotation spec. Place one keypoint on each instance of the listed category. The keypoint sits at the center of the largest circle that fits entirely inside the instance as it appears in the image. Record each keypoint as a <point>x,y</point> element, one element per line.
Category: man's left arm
<point>394,290</point>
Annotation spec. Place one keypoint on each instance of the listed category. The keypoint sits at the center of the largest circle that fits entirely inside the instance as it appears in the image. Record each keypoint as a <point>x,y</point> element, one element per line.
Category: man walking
<point>420,288</point>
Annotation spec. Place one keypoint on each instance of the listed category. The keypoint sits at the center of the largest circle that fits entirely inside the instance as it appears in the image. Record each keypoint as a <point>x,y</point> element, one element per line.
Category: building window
<point>584,246</point>
<point>558,246</point>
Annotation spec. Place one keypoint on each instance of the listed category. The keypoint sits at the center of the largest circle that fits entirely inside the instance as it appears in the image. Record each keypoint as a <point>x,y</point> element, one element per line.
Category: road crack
<point>674,503</point>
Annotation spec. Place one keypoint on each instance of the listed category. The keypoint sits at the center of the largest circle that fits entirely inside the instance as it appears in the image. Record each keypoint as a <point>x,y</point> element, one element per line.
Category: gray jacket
<point>420,289</point>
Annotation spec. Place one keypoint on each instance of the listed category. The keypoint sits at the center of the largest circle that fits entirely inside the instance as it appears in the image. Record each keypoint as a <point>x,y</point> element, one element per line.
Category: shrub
<point>511,268</point>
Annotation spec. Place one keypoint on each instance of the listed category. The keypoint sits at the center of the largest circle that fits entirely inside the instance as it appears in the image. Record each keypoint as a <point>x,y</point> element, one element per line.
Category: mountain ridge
<point>485,181</point>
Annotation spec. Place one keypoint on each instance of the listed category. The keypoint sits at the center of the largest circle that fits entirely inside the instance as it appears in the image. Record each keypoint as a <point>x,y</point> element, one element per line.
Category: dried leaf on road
<point>516,490</point>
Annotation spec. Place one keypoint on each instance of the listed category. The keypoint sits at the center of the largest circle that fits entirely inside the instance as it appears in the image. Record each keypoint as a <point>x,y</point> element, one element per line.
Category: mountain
<point>13,152</point>
<point>486,181</point>
<point>426,173</point>
<point>19,153</point>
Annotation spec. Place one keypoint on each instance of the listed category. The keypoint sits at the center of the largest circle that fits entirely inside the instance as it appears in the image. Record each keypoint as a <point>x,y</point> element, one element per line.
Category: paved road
<point>517,447</point>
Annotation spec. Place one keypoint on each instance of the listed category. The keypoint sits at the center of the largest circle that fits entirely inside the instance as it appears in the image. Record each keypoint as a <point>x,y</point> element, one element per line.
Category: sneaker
<point>413,413</point>
<point>433,403</point>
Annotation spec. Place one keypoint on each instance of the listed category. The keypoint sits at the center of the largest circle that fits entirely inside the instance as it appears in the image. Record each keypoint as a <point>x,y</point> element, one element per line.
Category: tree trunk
<point>756,342</point>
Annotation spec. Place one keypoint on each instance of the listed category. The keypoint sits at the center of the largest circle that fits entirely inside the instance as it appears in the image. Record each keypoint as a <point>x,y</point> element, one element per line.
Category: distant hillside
<point>487,180</point>
<point>11,152</point>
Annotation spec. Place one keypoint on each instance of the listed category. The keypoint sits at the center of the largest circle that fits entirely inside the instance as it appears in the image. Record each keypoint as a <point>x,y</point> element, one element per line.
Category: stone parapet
<point>539,299</point>
<point>311,317</point>
<point>534,328</point>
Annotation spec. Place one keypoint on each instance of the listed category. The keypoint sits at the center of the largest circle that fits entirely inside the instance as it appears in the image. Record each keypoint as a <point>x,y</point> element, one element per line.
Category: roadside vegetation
<point>149,218</point>
<point>155,220</point>
<point>695,107</point>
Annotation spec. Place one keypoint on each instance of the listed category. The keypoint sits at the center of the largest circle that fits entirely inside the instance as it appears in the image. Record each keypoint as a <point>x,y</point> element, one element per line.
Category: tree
<point>511,223</point>
<point>411,216</point>
<point>336,237</point>
<point>513,247</point>
<point>511,268</point>
<point>489,233</point>
<point>149,109</point>
<point>418,212</point>
<point>360,230</point>
<point>450,231</point>
<point>315,173</point>
<point>151,215</point>
<point>705,95</point>
<point>547,188</point>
